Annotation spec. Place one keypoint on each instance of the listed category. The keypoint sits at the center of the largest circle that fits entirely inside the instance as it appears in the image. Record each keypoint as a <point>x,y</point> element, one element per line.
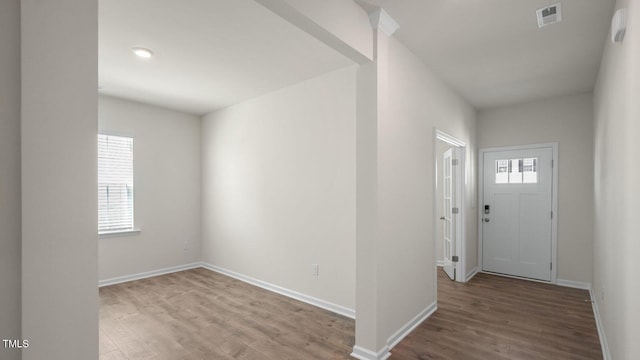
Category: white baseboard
<point>148,274</point>
<point>596,313</point>
<point>338,309</point>
<point>358,352</point>
<point>364,354</point>
<point>574,284</point>
<point>606,355</point>
<point>440,263</point>
<point>471,274</point>
<point>412,324</point>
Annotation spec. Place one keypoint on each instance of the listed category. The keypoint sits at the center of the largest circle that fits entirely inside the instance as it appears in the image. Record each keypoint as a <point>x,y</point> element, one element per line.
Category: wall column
<point>10,176</point>
<point>371,108</point>
<point>59,170</point>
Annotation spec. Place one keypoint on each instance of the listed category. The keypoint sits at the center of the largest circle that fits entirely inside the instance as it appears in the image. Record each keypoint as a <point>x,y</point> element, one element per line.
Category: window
<point>115,184</point>
<point>530,171</point>
<point>502,176</point>
<point>517,171</point>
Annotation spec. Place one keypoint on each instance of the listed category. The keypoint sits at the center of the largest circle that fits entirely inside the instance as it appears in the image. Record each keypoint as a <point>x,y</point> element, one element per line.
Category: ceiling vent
<point>549,15</point>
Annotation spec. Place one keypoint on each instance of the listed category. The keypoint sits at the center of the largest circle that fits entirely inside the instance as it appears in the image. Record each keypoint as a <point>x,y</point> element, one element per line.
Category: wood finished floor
<point>199,314</point>
<point>494,317</point>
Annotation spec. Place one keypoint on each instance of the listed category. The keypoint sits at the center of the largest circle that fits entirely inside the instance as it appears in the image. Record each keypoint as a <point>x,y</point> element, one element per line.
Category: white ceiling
<point>492,52</point>
<point>209,54</point>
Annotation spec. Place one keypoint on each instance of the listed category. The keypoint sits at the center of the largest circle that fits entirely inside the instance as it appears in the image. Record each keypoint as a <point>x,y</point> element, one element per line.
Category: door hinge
<point>454,162</point>
<point>552,214</point>
<point>552,164</point>
<point>550,266</point>
<point>454,210</point>
<point>454,258</point>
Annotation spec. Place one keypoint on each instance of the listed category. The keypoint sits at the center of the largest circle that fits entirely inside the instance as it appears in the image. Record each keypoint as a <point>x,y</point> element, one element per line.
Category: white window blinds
<point>115,183</point>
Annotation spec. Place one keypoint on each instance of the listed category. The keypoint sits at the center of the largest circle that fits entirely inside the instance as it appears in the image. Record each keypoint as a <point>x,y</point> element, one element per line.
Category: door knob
<point>441,217</point>
<point>485,220</point>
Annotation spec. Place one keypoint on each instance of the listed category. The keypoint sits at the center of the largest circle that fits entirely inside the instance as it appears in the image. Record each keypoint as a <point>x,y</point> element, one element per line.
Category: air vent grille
<point>549,15</point>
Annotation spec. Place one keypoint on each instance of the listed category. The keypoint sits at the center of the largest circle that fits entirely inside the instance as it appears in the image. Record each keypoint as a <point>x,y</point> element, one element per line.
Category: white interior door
<point>517,217</point>
<point>451,207</point>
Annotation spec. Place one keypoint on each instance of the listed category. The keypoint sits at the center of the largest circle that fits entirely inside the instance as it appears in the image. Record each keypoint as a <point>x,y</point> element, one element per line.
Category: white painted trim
<point>472,273</point>
<point>441,135</point>
<point>381,20</point>
<point>462,223</point>
<point>411,325</point>
<point>554,200</point>
<point>338,309</point>
<point>440,263</point>
<point>556,214</point>
<point>606,354</point>
<point>148,274</point>
<point>365,354</point>
<point>118,233</point>
<point>594,304</point>
<point>516,277</point>
<point>574,284</point>
<point>480,207</point>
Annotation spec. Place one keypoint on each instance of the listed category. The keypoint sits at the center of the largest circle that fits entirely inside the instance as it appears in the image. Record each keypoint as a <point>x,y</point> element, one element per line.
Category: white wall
<point>59,203</point>
<point>279,187</point>
<point>9,175</point>
<point>617,193</point>
<point>569,121</point>
<point>418,101</point>
<point>166,188</point>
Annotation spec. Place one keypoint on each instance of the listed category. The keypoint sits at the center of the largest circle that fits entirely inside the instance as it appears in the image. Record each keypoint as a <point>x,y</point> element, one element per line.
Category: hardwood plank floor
<point>199,314</point>
<point>493,317</point>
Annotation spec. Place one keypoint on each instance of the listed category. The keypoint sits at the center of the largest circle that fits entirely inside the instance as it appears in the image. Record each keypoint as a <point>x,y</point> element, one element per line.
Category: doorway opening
<point>449,205</point>
<point>517,229</point>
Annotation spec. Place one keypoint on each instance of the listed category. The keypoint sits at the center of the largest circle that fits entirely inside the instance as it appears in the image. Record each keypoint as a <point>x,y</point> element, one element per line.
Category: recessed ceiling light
<point>142,52</point>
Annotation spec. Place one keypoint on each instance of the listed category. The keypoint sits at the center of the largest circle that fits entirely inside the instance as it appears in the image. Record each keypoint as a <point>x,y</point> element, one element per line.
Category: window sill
<point>118,233</point>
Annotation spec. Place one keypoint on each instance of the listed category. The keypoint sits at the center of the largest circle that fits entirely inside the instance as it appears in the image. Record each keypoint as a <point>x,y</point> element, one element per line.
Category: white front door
<point>451,207</point>
<point>516,214</point>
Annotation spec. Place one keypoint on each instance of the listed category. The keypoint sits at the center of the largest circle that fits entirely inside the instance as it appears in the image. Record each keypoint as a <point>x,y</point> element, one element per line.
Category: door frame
<point>439,135</point>
<point>554,201</point>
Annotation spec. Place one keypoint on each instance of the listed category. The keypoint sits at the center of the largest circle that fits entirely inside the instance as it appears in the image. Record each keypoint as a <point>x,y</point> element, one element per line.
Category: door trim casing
<point>554,200</point>
<point>439,135</point>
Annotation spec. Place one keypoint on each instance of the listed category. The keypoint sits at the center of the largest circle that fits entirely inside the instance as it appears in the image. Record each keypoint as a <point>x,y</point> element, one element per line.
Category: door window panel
<point>517,171</point>
<point>502,174</point>
<point>530,171</point>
